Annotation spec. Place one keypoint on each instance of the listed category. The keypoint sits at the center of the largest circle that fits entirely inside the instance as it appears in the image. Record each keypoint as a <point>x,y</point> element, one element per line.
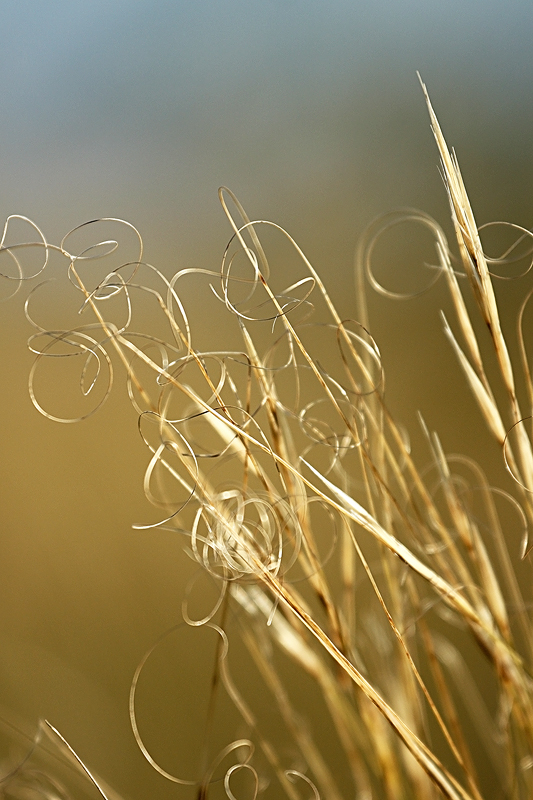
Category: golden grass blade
<point>483,396</point>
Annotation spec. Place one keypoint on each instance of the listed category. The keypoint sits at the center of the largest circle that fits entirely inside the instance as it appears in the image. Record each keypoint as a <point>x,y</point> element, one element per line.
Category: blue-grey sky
<point>143,109</point>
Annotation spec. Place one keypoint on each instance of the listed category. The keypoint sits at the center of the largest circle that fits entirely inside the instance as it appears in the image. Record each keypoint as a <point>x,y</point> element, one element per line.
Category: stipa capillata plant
<point>329,547</point>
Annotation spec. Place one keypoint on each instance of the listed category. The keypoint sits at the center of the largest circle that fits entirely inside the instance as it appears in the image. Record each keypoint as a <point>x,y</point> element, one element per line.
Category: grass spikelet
<point>477,271</point>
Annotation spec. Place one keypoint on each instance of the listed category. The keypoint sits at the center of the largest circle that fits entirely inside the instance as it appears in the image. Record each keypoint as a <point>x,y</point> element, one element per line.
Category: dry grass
<point>299,496</point>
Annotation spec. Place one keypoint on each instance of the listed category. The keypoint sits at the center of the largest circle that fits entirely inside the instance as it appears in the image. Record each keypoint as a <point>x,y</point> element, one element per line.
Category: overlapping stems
<point>253,468</point>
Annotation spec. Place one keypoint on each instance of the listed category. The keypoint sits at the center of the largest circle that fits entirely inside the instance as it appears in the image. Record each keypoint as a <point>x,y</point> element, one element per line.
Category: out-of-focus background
<point>311,112</point>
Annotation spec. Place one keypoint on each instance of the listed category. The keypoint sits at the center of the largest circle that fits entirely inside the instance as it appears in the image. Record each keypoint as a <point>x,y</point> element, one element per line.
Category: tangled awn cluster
<point>283,468</point>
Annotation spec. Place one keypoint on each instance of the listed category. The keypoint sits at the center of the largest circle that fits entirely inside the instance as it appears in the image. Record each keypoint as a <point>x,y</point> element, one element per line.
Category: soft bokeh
<point>311,112</point>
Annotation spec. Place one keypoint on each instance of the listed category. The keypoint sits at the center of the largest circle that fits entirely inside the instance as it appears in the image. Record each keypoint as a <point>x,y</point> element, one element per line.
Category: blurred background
<point>311,112</point>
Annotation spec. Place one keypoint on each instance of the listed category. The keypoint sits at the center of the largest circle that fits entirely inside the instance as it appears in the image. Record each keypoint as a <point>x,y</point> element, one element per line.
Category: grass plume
<point>330,547</point>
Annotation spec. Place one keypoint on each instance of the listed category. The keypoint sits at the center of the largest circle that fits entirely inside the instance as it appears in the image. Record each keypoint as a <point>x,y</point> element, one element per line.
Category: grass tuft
<point>385,586</point>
